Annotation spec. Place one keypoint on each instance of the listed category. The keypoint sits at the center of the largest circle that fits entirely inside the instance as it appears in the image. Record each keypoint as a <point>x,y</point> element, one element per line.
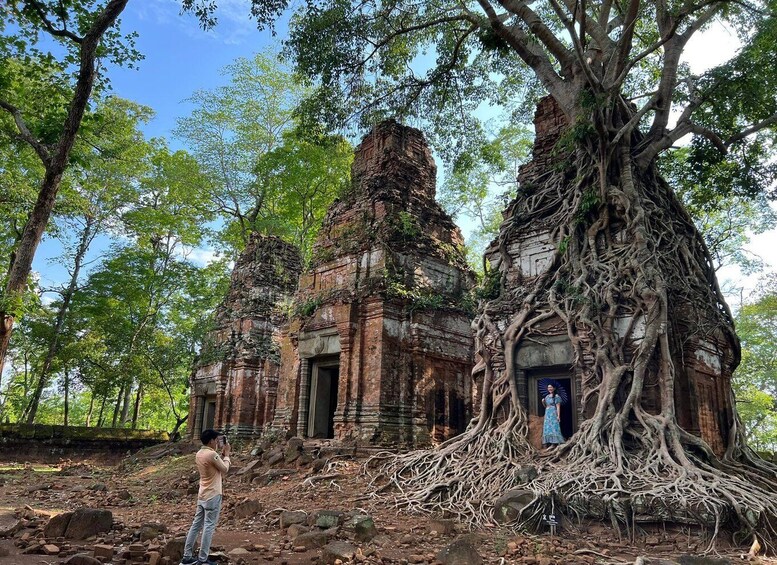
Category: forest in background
<point>117,342</point>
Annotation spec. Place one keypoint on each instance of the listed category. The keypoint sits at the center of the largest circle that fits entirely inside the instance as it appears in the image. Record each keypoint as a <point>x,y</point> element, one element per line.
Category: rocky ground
<point>288,504</point>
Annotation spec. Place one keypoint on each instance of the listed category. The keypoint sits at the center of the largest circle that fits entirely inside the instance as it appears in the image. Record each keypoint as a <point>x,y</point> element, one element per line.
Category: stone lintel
<point>319,343</point>
<point>544,351</point>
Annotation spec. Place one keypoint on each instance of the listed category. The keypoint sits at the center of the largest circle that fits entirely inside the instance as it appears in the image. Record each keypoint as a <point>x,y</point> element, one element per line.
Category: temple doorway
<point>324,380</point>
<point>568,408</point>
<point>209,413</point>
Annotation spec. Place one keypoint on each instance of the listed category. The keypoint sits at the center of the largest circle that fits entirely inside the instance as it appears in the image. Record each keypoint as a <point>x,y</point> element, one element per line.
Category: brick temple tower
<point>702,355</point>
<point>234,386</point>
<point>380,347</point>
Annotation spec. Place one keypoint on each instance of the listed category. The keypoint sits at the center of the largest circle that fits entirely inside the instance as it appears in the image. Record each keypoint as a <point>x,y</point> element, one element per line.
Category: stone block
<point>335,551</point>
<point>363,527</point>
<point>174,549</point>
<point>508,507</point>
<point>289,517</point>
<point>460,552</point>
<point>57,525</point>
<point>326,519</point>
<point>293,449</point>
<point>312,540</point>
<point>295,530</point>
<point>247,508</point>
<point>50,549</point>
<point>87,522</point>
<point>238,552</point>
<point>151,530</point>
<point>103,551</point>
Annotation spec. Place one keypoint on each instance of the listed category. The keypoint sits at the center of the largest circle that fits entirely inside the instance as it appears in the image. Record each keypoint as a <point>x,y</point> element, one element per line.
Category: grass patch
<point>12,468</point>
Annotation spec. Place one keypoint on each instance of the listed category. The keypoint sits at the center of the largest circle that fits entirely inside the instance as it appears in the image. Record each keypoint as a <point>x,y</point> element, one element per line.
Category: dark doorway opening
<point>446,414</point>
<point>209,416</point>
<point>324,380</point>
<point>568,409</point>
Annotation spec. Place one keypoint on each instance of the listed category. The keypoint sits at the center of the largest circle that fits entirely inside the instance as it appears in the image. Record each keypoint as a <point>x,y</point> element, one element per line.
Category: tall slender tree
<point>110,161</point>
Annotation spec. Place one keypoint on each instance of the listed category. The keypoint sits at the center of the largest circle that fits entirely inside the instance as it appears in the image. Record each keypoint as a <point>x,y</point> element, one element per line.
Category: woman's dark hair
<point>208,435</point>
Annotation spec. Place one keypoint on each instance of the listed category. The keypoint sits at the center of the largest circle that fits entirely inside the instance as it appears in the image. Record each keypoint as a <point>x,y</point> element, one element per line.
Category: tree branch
<point>577,41</point>
<point>673,51</point>
<point>24,132</point>
<point>540,30</point>
<point>516,38</point>
<point>636,59</point>
<point>40,10</point>
<point>625,42</point>
<point>755,128</point>
<point>426,25</point>
<point>592,26</point>
<point>650,152</point>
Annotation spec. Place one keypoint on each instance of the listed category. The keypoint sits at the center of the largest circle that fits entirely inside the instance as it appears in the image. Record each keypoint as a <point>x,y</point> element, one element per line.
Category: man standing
<point>212,468</point>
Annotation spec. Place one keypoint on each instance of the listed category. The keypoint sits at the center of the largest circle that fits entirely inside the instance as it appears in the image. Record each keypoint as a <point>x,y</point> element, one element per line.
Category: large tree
<point>614,68</point>
<point>81,32</point>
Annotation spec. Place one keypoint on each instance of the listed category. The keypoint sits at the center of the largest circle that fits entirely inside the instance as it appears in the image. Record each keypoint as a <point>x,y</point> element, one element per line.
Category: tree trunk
<point>136,408</point>
<point>83,245</point>
<point>6,328</point>
<point>55,164</point>
<point>117,407</point>
<point>67,396</point>
<point>100,421</point>
<point>125,404</point>
<point>174,433</point>
<point>89,411</point>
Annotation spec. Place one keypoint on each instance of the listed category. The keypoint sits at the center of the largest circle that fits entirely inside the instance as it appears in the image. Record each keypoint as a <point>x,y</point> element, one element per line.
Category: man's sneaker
<point>189,561</point>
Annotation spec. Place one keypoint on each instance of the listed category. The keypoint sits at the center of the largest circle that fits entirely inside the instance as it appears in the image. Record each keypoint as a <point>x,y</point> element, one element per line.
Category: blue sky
<point>181,58</point>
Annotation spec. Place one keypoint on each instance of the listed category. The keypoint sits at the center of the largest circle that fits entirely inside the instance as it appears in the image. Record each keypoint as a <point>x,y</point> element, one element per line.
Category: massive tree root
<point>628,260</point>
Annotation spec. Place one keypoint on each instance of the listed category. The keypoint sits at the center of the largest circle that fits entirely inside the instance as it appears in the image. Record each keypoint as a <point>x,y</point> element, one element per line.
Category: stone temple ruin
<point>380,347</point>
<point>233,387</point>
<point>704,360</point>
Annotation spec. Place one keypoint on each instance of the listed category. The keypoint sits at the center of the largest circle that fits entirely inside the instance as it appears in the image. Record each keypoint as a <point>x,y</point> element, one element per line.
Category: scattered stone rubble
<point>291,503</point>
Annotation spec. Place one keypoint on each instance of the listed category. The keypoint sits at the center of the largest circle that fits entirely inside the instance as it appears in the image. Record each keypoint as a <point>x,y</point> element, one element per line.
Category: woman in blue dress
<point>551,428</point>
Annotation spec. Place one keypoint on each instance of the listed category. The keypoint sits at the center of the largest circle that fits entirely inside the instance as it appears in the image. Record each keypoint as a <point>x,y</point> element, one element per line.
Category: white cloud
<point>234,25</point>
<point>710,48</point>
<point>201,256</point>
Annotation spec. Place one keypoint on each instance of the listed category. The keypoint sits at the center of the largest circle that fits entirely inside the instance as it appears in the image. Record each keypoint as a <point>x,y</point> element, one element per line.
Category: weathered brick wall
<point>383,300</point>
<point>38,440</point>
<point>240,362</point>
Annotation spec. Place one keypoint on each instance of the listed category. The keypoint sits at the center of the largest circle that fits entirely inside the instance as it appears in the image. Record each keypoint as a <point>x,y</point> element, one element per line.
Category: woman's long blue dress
<point>551,428</point>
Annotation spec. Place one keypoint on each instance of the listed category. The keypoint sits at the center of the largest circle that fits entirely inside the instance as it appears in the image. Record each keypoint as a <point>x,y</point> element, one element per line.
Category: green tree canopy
<point>755,382</point>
